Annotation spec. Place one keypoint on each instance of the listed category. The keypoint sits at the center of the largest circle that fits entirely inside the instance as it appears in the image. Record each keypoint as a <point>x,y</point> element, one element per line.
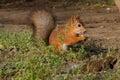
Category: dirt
<point>102,24</point>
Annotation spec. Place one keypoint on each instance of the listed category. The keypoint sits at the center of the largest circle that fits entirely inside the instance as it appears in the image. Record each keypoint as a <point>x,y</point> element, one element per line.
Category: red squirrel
<point>63,36</point>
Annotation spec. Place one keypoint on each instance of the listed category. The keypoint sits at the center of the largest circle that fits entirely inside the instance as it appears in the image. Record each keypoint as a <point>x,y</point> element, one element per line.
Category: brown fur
<point>43,25</point>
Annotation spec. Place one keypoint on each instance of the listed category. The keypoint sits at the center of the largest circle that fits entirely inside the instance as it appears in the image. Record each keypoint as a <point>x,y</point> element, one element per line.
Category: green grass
<point>20,59</point>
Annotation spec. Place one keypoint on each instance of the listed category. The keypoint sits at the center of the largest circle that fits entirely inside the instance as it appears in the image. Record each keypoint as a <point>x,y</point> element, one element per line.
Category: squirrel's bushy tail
<point>43,24</point>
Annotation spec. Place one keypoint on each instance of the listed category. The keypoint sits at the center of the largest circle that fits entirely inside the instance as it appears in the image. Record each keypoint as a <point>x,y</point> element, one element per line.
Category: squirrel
<point>63,36</point>
<point>44,27</point>
<point>43,23</point>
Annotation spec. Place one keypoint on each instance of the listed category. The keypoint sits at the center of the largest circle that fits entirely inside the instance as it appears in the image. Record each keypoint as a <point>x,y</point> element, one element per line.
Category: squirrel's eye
<point>79,25</point>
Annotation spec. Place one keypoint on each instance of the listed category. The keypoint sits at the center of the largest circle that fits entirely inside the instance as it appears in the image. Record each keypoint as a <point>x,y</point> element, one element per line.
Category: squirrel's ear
<point>77,17</point>
<point>74,18</point>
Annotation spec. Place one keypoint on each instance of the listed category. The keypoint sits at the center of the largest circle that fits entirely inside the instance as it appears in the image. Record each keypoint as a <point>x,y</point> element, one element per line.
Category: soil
<point>102,24</point>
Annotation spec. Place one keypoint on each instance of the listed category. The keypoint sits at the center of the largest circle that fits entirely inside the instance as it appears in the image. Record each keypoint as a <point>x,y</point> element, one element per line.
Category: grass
<point>20,59</point>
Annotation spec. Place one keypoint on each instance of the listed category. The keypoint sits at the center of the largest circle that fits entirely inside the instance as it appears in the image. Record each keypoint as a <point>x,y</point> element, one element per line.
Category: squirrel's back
<point>43,24</point>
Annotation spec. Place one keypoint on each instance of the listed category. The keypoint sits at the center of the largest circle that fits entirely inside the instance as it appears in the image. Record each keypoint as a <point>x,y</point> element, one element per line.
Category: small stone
<point>108,9</point>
